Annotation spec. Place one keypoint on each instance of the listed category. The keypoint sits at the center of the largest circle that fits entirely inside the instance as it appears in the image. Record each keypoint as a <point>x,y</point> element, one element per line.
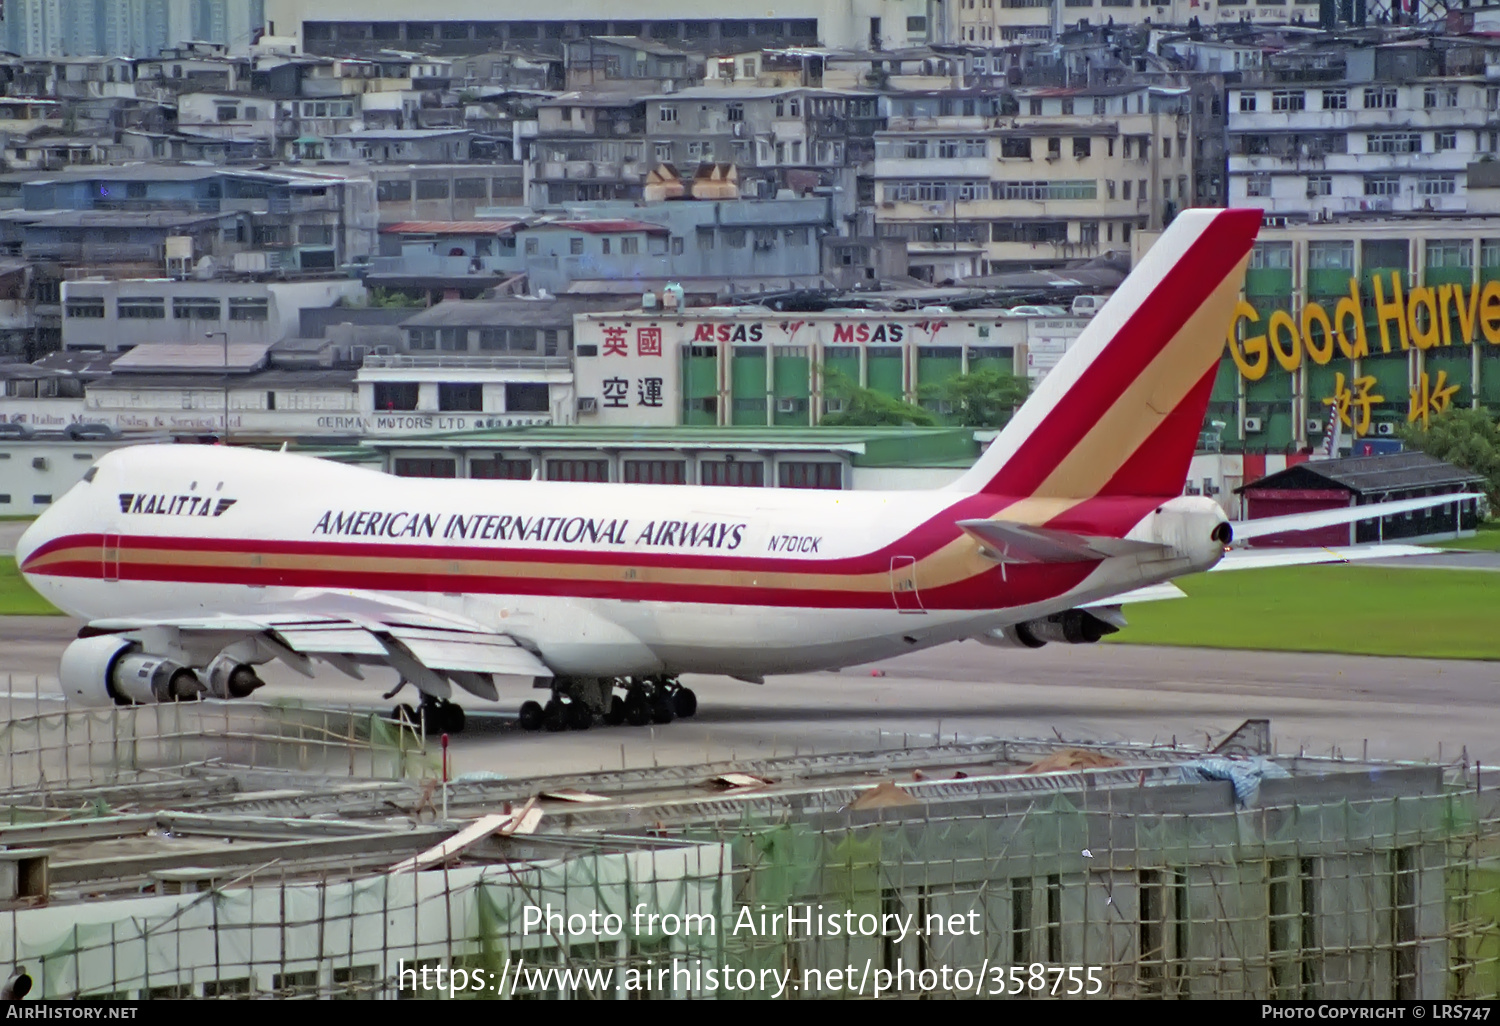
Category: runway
<point>1401,708</point>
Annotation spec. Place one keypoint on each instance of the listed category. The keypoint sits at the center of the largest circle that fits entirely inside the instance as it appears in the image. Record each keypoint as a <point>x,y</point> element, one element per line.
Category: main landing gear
<point>438,716</point>
<point>636,701</point>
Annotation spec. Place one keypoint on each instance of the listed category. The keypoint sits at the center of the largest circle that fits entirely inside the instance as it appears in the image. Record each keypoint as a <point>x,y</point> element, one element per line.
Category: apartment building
<point>1382,129</point>
<point>976,183</point>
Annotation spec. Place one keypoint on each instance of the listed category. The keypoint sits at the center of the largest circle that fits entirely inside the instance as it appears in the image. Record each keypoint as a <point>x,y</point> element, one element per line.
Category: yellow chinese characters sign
<point>1421,319</point>
<point>1353,404</point>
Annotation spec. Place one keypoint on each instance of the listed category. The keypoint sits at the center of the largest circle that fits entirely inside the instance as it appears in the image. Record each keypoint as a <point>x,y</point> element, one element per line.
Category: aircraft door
<point>110,556</point>
<point>904,590</point>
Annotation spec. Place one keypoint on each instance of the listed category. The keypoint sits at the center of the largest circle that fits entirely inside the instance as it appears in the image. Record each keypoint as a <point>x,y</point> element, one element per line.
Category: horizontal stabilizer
<point>1022,543</point>
<point>1244,530</point>
<point>1150,593</point>
<point>1258,559</point>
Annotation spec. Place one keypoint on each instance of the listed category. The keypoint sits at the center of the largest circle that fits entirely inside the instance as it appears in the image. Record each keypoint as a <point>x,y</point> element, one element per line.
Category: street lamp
<point>225,334</point>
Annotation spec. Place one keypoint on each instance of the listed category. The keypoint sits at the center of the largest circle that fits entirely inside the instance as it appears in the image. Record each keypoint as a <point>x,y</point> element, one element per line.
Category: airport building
<point>1386,321</point>
<point>755,366</point>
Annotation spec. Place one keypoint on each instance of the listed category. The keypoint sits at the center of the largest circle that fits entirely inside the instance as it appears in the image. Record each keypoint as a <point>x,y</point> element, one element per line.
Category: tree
<point>986,397</point>
<point>1466,438</point>
<point>865,407</point>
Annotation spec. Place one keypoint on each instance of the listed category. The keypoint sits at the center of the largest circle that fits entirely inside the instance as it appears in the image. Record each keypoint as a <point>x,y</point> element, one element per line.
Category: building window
<point>533,247</point>
<point>666,113</point>
<point>1319,185</point>
<point>1247,103</point>
<point>315,234</point>
<point>1437,185</point>
<point>1288,99</point>
<point>526,397</point>
<point>499,469</point>
<point>89,309</point>
<point>432,188</point>
<point>153,309</point>
<point>248,308</point>
<point>1082,146</point>
<point>421,338</point>
<point>630,245</point>
<point>1015,147</point>
<point>1440,96</point>
<point>810,475</point>
<point>460,397</point>
<point>578,470</point>
<point>1085,189</point>
<point>195,308</point>
<point>1444,141</point>
<point>1383,185</point>
<point>469,188</point>
<point>672,472</point>
<point>575,246</point>
<point>395,395</point>
<point>508,339</point>
<point>1330,256</point>
<point>1335,99</point>
<point>1256,185</point>
<point>1275,256</point>
<point>733,473</point>
<point>1450,253</point>
<point>419,467</point>
<point>1380,98</point>
<point>453,340</point>
<point>1393,142</point>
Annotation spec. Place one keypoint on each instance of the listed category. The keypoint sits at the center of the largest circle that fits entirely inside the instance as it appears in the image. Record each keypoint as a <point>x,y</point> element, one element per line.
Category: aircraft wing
<point>350,629</point>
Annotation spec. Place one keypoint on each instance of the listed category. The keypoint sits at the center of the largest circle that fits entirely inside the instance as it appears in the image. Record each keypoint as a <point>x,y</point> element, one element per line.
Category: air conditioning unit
<point>588,404</point>
<point>39,463</point>
<point>1253,426</point>
<point>786,406</point>
<point>1385,429</point>
<point>1315,426</point>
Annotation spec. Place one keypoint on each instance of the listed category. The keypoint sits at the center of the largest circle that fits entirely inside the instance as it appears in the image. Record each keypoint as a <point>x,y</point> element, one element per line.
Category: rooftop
<point>449,228</point>
<point>1373,475</point>
<point>496,312</point>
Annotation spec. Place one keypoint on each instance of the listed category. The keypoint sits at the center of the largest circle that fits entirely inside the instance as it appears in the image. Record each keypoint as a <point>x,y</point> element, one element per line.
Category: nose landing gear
<point>636,701</point>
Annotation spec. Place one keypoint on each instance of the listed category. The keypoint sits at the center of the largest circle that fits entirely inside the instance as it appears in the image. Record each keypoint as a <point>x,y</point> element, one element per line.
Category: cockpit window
<point>88,475</point>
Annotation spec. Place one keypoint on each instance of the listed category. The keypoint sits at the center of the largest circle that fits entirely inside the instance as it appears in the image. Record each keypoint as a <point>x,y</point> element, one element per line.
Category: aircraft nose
<point>42,529</point>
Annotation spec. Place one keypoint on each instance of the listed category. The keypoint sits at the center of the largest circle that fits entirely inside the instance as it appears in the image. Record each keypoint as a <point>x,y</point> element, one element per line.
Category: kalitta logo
<point>174,505</point>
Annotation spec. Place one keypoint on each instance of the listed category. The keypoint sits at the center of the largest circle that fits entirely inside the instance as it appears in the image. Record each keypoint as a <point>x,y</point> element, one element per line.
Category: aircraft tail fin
<point>1121,413</point>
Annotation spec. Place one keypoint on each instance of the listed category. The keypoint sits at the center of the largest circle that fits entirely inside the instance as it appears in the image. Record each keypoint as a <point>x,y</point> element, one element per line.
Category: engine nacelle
<point>228,678</point>
<point>108,670</point>
<point>1194,526</point>
<point>1073,627</point>
<point>1016,635</point>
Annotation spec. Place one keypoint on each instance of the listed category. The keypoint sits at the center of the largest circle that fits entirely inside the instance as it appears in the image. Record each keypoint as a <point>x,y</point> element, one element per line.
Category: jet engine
<point>1073,627</point>
<point>109,670</point>
<point>227,678</point>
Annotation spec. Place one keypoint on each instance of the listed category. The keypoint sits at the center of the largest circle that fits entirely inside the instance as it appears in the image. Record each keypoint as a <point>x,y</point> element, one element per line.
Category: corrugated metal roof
<point>1374,475</point>
<point>194,356</point>
<point>449,227</point>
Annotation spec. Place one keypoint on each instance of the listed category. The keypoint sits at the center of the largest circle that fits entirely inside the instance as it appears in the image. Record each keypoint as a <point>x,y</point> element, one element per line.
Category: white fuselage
<point>597,579</point>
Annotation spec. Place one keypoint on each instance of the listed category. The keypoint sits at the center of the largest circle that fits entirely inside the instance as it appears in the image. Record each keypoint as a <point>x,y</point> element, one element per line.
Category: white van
<point>1087,306</point>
